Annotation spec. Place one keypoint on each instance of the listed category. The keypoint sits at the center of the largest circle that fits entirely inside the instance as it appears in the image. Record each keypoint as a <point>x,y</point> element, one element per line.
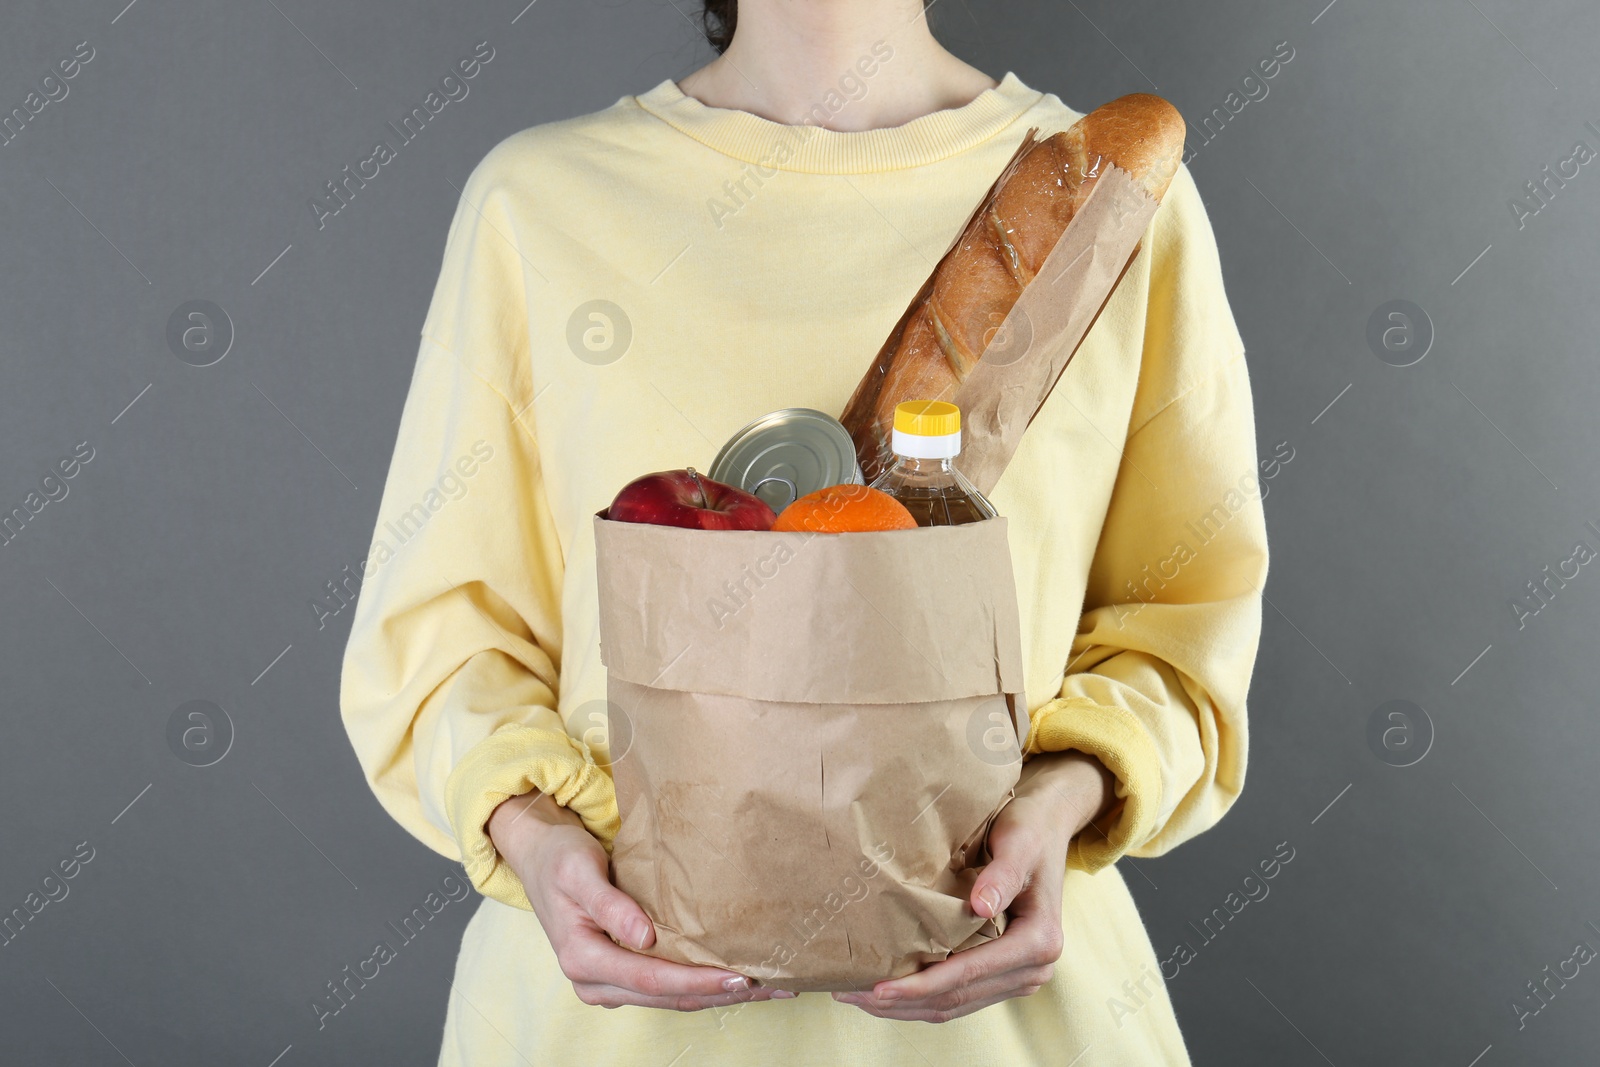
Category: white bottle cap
<point>926,429</point>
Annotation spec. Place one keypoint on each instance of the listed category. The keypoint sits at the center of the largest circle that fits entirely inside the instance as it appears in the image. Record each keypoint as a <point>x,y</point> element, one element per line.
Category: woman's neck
<point>787,57</point>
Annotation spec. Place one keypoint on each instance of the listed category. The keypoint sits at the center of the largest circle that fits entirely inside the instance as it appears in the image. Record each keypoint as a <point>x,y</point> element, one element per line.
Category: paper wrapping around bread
<point>983,300</point>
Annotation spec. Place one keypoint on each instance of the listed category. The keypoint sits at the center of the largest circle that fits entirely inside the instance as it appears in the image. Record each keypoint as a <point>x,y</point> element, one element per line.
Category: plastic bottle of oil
<point>923,477</point>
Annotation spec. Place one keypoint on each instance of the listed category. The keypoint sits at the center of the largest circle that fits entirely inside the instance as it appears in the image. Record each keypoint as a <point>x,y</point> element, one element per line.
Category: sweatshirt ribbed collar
<point>815,150</point>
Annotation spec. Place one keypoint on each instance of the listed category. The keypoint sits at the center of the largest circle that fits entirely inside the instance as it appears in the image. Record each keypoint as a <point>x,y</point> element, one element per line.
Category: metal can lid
<point>786,454</point>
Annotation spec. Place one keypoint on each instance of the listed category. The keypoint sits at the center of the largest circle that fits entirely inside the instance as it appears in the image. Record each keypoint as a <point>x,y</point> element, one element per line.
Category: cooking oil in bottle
<point>923,477</point>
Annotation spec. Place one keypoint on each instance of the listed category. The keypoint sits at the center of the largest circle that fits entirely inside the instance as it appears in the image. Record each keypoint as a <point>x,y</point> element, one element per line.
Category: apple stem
<point>705,498</point>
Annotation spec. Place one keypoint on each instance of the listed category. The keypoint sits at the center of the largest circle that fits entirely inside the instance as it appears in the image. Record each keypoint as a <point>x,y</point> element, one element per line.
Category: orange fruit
<point>844,509</point>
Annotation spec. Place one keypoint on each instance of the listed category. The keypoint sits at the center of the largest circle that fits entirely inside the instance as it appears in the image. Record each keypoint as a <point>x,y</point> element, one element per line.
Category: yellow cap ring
<point>927,418</point>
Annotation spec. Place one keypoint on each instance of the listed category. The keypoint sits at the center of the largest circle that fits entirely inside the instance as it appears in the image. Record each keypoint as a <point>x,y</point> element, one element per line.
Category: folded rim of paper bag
<point>914,588</point>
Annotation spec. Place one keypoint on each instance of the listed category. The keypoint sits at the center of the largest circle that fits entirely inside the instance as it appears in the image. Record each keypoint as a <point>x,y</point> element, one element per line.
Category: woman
<point>620,293</point>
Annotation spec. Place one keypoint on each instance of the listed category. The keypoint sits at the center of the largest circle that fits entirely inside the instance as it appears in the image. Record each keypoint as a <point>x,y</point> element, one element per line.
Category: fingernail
<point>737,984</point>
<point>638,931</point>
<point>990,896</point>
<point>886,994</point>
<point>782,994</point>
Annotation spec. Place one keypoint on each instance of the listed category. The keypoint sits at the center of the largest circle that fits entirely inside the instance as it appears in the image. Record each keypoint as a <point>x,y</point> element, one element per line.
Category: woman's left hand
<point>1059,794</point>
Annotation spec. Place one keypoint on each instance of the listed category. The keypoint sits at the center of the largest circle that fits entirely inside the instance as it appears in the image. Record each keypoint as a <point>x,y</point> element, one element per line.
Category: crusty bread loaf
<point>951,320</point>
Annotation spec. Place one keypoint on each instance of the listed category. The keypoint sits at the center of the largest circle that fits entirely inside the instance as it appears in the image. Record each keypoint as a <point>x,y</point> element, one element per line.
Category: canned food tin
<point>786,454</point>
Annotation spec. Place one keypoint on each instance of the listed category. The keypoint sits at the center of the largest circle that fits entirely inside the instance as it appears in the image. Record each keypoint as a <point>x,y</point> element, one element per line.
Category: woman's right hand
<point>564,871</point>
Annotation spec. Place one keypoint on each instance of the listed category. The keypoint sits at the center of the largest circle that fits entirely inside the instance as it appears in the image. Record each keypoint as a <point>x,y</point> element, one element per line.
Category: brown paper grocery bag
<point>810,736</point>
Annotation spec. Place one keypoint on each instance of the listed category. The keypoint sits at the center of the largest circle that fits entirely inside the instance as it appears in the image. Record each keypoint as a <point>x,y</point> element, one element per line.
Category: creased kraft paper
<point>810,735</point>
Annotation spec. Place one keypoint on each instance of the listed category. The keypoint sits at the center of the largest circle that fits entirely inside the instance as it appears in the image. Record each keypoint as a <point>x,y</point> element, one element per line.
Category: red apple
<point>685,498</point>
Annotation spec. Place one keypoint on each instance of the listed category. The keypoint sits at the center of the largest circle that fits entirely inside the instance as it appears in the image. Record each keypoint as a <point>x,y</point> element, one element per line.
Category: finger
<point>1019,981</point>
<point>583,878</point>
<point>960,1000</point>
<point>1032,940</point>
<point>922,1013</point>
<point>1016,855</point>
<point>591,958</point>
<point>610,996</point>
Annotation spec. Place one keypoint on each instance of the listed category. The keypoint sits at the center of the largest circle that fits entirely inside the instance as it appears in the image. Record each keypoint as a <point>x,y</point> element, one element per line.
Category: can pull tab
<point>794,493</point>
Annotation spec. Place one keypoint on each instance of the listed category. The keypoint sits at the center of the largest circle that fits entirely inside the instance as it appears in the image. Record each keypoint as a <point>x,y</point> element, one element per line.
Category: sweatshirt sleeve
<point>449,681</point>
<point>1161,663</point>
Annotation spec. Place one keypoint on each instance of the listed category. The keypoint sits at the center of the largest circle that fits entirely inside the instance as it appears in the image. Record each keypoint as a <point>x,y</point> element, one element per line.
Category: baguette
<point>955,314</point>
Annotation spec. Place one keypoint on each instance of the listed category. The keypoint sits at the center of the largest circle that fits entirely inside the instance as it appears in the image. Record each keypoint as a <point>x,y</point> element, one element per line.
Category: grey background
<point>181,563</point>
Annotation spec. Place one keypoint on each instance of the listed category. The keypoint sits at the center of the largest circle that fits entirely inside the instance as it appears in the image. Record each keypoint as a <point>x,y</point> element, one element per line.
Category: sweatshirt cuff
<point>514,760</point>
<point>1118,740</point>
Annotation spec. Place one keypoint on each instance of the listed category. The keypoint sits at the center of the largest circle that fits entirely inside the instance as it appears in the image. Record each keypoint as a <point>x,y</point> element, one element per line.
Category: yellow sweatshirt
<point>620,293</point>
